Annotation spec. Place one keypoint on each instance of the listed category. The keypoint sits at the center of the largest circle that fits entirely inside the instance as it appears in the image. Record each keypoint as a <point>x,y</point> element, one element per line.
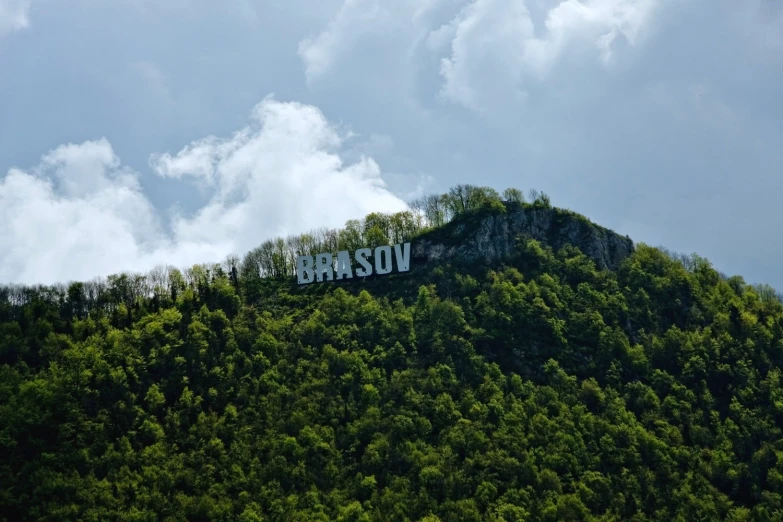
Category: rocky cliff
<point>492,236</point>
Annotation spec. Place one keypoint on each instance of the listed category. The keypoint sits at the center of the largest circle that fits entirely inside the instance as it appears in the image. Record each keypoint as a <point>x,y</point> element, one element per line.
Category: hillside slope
<point>529,382</point>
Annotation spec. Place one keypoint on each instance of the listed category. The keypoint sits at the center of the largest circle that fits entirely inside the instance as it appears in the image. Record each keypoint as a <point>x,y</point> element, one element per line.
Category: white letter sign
<point>343,266</point>
<point>383,260</point>
<point>361,258</point>
<point>304,269</point>
<point>322,267</point>
<point>403,256</point>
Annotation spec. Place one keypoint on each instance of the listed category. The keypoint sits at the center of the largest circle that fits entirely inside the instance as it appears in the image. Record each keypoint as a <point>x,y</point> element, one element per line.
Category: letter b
<point>304,269</point>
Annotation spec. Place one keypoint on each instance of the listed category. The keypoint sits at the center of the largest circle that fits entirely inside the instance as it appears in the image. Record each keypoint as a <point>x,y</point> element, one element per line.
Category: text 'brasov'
<point>324,267</point>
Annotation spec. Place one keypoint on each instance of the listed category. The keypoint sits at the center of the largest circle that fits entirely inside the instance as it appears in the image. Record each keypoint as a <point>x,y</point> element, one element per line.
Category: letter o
<point>383,263</point>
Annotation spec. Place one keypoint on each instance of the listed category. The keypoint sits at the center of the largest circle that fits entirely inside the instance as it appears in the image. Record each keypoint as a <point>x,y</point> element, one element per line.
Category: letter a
<point>343,270</point>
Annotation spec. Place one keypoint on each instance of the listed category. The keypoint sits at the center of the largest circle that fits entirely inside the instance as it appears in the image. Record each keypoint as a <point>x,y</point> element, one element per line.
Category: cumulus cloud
<point>81,214</point>
<point>14,15</point>
<point>354,20</point>
<point>490,49</point>
<point>500,41</point>
<point>78,212</point>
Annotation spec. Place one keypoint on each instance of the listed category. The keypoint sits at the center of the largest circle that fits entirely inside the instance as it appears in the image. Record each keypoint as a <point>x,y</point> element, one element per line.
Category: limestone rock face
<point>492,237</point>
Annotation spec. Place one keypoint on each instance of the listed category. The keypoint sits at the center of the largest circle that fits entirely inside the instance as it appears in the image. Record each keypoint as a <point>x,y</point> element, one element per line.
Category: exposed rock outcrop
<point>492,237</point>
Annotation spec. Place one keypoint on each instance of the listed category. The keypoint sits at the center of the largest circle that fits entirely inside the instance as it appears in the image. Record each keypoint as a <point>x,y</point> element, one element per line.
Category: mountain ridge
<point>491,236</point>
<point>520,379</point>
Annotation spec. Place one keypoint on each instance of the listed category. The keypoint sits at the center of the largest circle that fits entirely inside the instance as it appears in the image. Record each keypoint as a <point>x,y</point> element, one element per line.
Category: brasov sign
<point>323,267</point>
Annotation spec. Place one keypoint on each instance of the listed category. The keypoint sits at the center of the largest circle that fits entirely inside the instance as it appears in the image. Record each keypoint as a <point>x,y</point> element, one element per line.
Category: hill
<point>530,366</point>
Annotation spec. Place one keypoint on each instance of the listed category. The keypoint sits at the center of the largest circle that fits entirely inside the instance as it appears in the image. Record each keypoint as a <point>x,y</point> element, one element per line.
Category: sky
<point>135,133</point>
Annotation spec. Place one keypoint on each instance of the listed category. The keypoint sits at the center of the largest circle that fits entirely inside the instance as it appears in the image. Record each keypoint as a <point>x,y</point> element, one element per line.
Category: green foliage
<point>514,195</point>
<point>543,390</point>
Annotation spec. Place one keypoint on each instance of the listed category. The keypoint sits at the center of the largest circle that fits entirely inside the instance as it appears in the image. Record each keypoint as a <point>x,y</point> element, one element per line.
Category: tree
<point>543,388</point>
<point>513,195</point>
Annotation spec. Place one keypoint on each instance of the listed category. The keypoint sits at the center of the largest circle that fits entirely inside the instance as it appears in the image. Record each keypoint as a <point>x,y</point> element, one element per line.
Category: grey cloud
<point>674,137</point>
<point>14,15</point>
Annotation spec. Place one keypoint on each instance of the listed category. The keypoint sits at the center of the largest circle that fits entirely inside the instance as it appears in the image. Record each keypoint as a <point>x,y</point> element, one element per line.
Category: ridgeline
<point>491,237</point>
<point>531,366</point>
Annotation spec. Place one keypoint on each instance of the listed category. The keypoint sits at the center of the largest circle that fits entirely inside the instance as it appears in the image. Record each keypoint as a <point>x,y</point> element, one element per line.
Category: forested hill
<point>533,383</point>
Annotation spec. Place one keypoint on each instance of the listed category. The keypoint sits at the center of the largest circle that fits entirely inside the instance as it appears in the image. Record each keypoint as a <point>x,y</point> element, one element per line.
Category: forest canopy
<point>541,389</point>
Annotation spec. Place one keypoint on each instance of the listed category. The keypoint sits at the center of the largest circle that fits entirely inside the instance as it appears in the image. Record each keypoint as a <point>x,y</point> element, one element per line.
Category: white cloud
<point>81,214</point>
<point>486,50</point>
<point>14,15</point>
<point>497,48</point>
<point>493,48</point>
<point>354,19</point>
<point>76,215</point>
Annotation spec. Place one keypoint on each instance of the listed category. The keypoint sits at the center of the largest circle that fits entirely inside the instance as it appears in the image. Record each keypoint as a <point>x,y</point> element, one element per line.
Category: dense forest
<point>539,389</point>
